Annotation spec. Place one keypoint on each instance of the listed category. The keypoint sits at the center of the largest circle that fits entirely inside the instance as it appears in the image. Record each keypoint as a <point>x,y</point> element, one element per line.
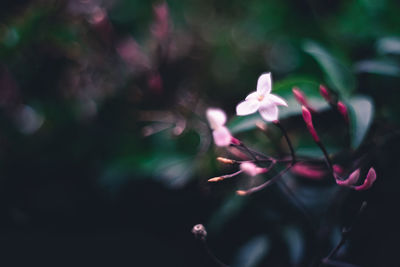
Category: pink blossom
<point>251,169</point>
<point>217,119</point>
<point>262,100</point>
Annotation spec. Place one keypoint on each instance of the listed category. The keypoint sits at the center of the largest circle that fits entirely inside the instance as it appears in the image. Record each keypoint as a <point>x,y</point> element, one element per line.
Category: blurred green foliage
<point>102,117</point>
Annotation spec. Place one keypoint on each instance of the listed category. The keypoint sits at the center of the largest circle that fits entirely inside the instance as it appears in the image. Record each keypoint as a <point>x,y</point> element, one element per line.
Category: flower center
<point>260,97</point>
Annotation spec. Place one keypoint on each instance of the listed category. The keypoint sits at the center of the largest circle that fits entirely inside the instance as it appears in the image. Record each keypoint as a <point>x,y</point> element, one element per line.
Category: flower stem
<point>280,126</point>
<point>264,185</point>
<point>345,235</point>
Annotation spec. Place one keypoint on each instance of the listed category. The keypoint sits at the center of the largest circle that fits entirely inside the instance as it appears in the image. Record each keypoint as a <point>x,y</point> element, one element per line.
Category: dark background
<point>105,150</point>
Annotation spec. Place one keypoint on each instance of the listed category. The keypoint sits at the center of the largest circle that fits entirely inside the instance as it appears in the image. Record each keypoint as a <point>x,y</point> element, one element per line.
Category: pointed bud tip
<point>351,180</point>
<point>261,125</point>
<point>369,180</point>
<point>241,192</point>
<point>225,160</point>
<point>235,141</point>
<point>324,93</point>
<point>215,179</point>
<point>342,108</point>
<point>306,115</point>
<point>299,96</point>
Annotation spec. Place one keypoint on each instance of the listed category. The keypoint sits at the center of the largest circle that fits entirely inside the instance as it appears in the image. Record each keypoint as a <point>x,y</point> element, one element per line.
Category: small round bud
<point>199,231</point>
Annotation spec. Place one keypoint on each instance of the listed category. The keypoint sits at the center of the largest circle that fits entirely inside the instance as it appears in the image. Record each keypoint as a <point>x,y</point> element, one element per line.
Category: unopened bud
<point>300,97</point>
<point>308,171</point>
<point>308,120</point>
<point>235,141</point>
<point>343,110</point>
<point>241,192</point>
<point>352,179</point>
<point>369,181</point>
<point>215,179</point>
<point>324,93</point>
<point>261,125</point>
<point>199,231</point>
<point>337,169</point>
<point>225,160</point>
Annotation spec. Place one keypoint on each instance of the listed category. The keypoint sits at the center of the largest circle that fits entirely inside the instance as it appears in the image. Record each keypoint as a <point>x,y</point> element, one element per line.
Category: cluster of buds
<point>353,178</point>
<point>254,163</point>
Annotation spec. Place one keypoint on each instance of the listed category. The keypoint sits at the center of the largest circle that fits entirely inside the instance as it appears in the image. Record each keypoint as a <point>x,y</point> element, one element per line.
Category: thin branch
<point>280,126</point>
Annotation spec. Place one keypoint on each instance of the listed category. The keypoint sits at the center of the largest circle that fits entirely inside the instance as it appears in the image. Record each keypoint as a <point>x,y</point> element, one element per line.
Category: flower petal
<point>249,168</point>
<point>352,179</point>
<point>253,95</point>
<point>277,100</point>
<point>369,181</point>
<point>222,136</point>
<point>269,112</point>
<point>247,107</point>
<point>264,84</point>
<point>216,117</point>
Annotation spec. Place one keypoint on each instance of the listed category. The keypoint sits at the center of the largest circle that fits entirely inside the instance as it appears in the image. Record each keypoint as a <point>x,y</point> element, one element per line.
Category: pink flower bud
<point>338,169</point>
<point>369,181</point>
<point>300,97</point>
<point>308,120</point>
<point>235,141</point>
<point>308,171</point>
<point>343,110</point>
<point>352,179</point>
<point>324,93</point>
<point>251,169</point>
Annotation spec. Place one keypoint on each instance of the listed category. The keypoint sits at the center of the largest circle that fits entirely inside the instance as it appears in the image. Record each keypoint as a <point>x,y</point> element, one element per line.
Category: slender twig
<point>338,263</point>
<point>264,185</point>
<point>345,235</point>
<point>299,204</point>
<point>280,126</point>
<point>200,234</point>
<point>211,255</point>
<point>327,159</point>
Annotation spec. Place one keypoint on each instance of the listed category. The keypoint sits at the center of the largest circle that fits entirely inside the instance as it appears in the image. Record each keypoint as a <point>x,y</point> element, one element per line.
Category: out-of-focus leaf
<point>295,243</point>
<point>388,45</point>
<point>174,172</point>
<point>382,67</point>
<point>226,211</point>
<point>252,252</point>
<point>337,74</point>
<point>244,123</point>
<point>361,113</point>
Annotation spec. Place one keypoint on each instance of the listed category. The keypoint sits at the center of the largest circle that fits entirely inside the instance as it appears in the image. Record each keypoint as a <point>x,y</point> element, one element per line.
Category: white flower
<point>217,119</point>
<point>262,100</point>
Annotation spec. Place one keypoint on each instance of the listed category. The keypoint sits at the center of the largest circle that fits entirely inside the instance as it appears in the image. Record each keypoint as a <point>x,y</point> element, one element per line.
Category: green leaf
<point>244,123</point>
<point>381,67</point>
<point>252,252</point>
<point>388,45</point>
<point>361,114</point>
<point>337,74</point>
